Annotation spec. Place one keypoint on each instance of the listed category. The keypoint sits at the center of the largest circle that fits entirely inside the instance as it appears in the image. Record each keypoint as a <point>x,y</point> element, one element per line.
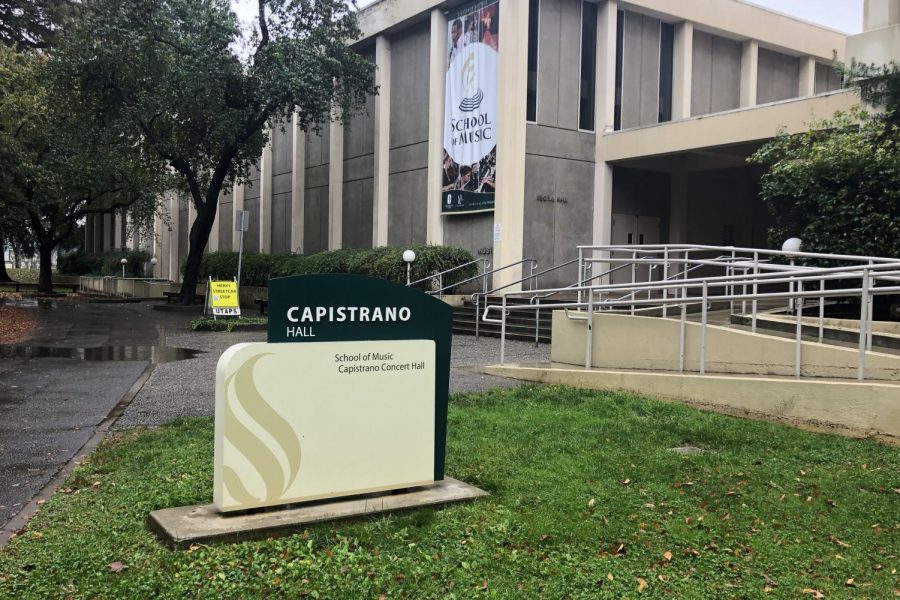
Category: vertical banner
<point>470,114</point>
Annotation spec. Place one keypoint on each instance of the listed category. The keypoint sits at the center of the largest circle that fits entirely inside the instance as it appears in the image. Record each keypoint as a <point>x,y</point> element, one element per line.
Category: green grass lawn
<point>23,275</point>
<point>586,501</point>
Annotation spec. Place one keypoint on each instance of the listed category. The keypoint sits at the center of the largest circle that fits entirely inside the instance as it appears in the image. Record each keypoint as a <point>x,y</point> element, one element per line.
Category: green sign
<point>351,308</point>
<point>460,201</point>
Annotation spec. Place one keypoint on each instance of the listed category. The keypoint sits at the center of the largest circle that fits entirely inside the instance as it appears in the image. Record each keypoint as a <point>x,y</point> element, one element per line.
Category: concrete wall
<point>252,192</point>
<point>559,159</point>
<point>359,170</point>
<point>827,79</point>
<point>716,74</point>
<point>640,70</point>
<point>282,170</point>
<point>620,342</point>
<point>779,76</point>
<point>315,226</point>
<point>225,220</point>
<point>408,177</point>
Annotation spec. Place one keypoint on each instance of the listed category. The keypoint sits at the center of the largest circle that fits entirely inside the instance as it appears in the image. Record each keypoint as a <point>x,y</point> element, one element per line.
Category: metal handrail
<point>799,279</point>
<point>484,291</point>
<point>701,247</point>
<point>440,275</point>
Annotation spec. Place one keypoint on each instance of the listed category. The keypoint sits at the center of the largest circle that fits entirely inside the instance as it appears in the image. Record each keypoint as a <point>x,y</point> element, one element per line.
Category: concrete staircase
<point>520,325</point>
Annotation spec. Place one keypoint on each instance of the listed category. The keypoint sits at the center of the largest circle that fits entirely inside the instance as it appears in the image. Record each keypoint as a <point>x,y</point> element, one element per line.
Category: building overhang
<point>740,126</point>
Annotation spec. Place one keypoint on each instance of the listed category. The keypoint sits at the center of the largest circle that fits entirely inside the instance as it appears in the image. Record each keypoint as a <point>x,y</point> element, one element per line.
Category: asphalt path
<point>59,385</point>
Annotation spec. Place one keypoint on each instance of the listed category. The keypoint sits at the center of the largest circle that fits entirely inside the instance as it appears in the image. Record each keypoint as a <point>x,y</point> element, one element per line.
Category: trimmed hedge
<point>384,263</point>
<point>108,263</point>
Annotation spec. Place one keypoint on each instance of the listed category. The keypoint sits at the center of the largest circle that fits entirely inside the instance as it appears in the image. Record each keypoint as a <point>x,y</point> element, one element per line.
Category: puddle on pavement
<point>156,354</point>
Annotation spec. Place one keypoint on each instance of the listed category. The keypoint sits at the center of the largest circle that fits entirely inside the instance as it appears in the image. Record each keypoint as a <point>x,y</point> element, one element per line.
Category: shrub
<point>79,263</point>
<point>384,263</point>
<point>108,263</point>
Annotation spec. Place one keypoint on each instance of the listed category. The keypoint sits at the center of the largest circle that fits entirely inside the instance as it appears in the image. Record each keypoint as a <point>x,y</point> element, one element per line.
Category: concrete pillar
<point>155,249</point>
<point>606,114</point>
<point>213,244</point>
<point>110,242</point>
<point>336,185</point>
<point>749,72</point>
<point>509,211</point>
<point>98,233</point>
<point>173,258</point>
<point>298,182</point>
<point>682,70</point>
<point>678,206</point>
<point>880,13</point>
<point>265,198</point>
<point>434,232</point>
<point>382,140</point>
<point>237,204</point>
<point>807,76</point>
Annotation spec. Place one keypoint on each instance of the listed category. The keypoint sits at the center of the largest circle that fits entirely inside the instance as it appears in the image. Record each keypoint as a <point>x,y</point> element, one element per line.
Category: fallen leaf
<point>484,584</point>
<point>625,482</point>
<point>382,597</point>
<point>544,537</point>
<point>667,556</point>
<point>116,566</point>
<point>815,593</point>
<point>40,502</point>
<point>770,583</point>
<point>839,542</point>
<point>650,505</point>
<point>691,552</point>
<point>609,576</point>
<point>688,520</point>
<point>620,549</point>
<point>37,535</point>
<point>591,503</point>
<point>850,583</point>
<point>642,584</point>
<point>663,578</point>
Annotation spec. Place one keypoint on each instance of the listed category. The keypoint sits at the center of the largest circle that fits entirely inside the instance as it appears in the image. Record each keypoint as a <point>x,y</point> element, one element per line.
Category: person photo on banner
<point>457,41</point>
<point>471,33</point>
<point>490,26</point>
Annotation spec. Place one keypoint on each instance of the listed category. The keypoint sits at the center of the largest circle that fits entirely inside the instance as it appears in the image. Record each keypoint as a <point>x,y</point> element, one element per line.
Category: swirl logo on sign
<point>277,473</point>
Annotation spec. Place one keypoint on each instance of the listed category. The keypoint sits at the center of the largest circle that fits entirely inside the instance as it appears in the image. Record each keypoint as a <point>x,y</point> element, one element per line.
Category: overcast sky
<point>845,15</point>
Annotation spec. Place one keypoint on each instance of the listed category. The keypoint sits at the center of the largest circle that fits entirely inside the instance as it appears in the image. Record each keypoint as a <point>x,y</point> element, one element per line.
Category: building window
<point>588,66</point>
<point>534,8</point>
<point>666,45</point>
<point>620,26</point>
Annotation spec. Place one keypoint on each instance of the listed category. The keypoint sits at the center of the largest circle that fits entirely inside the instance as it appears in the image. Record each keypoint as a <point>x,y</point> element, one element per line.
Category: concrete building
<point>617,122</point>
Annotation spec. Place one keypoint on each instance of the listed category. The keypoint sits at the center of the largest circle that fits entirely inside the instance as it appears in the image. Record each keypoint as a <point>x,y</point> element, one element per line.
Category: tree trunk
<point>199,237</point>
<point>45,276</point>
<point>4,276</point>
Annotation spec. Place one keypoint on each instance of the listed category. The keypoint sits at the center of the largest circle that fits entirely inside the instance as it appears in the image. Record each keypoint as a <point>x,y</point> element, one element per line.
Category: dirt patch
<point>16,324</point>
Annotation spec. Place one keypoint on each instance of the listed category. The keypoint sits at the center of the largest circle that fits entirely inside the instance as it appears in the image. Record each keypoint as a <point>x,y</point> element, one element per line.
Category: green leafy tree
<point>59,170</point>
<point>181,80</point>
<point>33,23</point>
<point>837,186</point>
<point>879,85</point>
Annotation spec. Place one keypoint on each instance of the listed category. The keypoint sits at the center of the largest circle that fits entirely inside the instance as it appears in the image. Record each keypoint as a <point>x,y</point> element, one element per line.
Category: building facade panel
<point>779,76</point>
<point>357,222</point>
<point>281,221</point>
<point>225,220</point>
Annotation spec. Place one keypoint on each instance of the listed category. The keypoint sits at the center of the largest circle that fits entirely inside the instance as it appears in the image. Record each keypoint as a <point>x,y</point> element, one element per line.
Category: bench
<point>33,286</point>
<point>263,305</point>
<point>170,296</point>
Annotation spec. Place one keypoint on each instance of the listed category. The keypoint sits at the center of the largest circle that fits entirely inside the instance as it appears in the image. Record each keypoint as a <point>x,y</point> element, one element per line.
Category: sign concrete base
<point>202,523</point>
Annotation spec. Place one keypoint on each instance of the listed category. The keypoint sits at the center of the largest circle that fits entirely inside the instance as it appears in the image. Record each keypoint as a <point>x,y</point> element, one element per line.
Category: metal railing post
<point>799,329</point>
<point>633,278</point>
<point>863,315</point>
<point>703,329</point>
<point>477,314</point>
<point>537,322</point>
<point>681,333</point>
<point>665,279</point>
<point>755,290</point>
<point>822,313</point>
<point>871,317</point>
<point>589,346</point>
<point>791,288</point>
<point>580,271</point>
<point>503,331</point>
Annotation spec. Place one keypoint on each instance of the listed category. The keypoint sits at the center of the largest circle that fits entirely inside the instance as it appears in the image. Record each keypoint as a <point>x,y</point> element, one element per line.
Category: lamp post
<point>791,245</point>
<point>124,262</point>
<point>408,257</point>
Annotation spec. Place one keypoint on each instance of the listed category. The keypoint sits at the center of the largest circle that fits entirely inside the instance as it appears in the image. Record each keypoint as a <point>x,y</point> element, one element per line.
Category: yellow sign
<point>224,299</point>
<point>299,422</point>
